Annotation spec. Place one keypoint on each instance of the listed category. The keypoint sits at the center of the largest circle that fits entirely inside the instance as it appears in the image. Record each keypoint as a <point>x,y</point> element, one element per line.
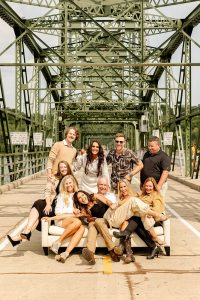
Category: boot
<point>88,255</point>
<point>114,256</point>
<point>129,253</point>
<point>155,251</point>
<point>122,234</point>
<point>119,250</point>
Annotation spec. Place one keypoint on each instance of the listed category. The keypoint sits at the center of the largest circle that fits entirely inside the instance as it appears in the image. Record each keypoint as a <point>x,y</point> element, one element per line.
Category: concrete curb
<point>12,185</point>
<point>186,182</point>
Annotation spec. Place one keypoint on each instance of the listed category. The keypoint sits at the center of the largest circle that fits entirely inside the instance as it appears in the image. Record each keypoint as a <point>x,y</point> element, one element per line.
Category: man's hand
<point>49,174</point>
<point>128,177</point>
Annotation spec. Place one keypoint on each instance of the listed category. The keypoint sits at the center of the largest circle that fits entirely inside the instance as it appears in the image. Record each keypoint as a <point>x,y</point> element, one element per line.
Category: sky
<point>7,36</point>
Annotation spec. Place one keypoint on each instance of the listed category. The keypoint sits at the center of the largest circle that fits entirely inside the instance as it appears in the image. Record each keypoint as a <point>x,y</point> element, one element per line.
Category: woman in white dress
<point>94,165</point>
<point>66,218</point>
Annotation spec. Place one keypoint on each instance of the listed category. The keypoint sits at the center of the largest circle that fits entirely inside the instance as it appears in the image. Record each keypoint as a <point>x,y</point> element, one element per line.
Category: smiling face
<point>153,147</point>
<point>123,189</point>
<point>71,136</point>
<point>102,186</point>
<point>95,149</point>
<point>69,185</point>
<point>63,169</point>
<point>119,143</point>
<point>149,187</point>
<point>82,198</point>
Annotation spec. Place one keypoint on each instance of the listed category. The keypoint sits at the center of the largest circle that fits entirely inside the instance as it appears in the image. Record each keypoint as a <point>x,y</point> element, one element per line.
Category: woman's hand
<point>90,219</point>
<point>47,209</point>
<point>113,206</point>
<point>46,219</point>
<point>76,211</point>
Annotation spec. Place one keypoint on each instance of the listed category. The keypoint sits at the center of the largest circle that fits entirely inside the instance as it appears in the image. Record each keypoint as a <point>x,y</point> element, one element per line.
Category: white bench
<point>50,234</point>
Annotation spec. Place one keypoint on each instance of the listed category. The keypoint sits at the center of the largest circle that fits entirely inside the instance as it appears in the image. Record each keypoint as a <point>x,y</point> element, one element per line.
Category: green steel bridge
<point>104,66</point>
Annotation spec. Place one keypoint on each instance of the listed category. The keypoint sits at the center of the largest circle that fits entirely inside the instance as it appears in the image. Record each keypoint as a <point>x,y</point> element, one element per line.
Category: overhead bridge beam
<point>192,20</point>
<point>18,24</point>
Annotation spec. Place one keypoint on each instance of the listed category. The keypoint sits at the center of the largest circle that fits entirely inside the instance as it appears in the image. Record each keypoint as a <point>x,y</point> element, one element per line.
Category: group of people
<point>101,201</point>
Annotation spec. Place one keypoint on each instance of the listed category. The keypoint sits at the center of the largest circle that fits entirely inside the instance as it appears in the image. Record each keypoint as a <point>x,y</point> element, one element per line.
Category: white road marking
<point>188,225</point>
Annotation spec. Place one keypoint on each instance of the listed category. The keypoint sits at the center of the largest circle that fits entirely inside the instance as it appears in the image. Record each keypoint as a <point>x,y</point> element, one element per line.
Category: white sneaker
<point>55,247</point>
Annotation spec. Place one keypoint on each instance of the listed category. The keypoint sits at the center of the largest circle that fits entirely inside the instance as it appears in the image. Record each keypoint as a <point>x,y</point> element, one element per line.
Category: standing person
<point>122,161</point>
<point>66,218</point>
<point>43,207</point>
<point>94,165</point>
<point>156,164</point>
<point>97,211</point>
<point>193,150</point>
<point>63,150</point>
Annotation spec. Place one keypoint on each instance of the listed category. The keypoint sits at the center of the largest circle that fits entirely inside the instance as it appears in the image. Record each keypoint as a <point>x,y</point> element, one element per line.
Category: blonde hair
<point>130,190</point>
<point>63,190</point>
<point>76,132</point>
<point>120,134</point>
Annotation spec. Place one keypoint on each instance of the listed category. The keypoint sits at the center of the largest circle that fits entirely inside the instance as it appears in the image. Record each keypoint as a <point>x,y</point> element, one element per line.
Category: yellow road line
<point>107,265</point>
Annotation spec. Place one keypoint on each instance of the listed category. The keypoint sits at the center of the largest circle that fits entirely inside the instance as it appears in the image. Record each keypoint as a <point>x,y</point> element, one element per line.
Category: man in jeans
<point>124,162</point>
<point>88,252</point>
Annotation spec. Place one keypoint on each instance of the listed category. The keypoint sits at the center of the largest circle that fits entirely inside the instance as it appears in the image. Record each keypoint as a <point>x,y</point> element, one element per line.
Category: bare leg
<point>124,225</point>
<point>155,237</point>
<point>73,243</point>
<point>71,225</point>
<point>32,223</point>
<point>75,239</point>
<point>33,220</point>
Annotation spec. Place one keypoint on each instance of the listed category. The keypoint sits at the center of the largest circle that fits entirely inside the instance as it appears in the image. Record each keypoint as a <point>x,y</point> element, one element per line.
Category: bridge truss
<point>104,66</point>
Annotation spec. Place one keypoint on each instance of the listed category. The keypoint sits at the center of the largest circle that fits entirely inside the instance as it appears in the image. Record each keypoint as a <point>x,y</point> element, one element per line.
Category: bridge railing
<point>18,165</point>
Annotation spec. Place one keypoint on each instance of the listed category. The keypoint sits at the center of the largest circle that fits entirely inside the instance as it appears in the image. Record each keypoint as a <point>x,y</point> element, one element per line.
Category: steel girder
<point>86,34</point>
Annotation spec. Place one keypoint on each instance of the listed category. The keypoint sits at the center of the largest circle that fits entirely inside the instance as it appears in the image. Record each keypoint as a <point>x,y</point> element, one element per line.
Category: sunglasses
<point>119,142</point>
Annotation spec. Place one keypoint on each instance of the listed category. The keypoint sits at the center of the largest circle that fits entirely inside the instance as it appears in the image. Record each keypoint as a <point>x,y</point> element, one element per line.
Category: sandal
<point>162,218</point>
<point>62,257</point>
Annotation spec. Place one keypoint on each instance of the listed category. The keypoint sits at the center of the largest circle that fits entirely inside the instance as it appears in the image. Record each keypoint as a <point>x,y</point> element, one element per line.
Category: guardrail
<point>14,166</point>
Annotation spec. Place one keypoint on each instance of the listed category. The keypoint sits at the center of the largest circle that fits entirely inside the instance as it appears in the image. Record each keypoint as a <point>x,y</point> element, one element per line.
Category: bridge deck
<point>26,273</point>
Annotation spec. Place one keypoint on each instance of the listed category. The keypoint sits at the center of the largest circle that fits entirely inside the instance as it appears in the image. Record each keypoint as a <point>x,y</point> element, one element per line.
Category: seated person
<point>151,196</point>
<point>66,218</point>
<point>43,207</point>
<point>93,207</point>
<point>103,187</point>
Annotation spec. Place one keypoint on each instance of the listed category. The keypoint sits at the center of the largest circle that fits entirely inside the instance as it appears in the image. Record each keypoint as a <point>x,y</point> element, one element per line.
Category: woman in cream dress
<point>94,165</point>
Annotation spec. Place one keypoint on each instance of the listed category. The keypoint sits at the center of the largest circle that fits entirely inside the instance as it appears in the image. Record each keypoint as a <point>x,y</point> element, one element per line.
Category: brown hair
<point>75,129</point>
<point>69,171</point>
<point>155,186</point>
<point>154,139</point>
